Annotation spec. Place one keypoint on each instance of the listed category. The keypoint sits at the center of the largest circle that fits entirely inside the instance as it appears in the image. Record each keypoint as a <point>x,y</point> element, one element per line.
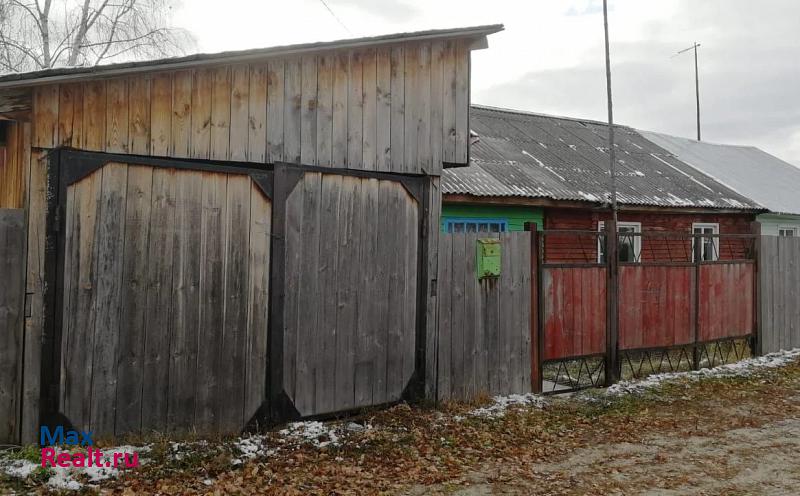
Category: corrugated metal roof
<point>521,154</point>
<point>754,173</point>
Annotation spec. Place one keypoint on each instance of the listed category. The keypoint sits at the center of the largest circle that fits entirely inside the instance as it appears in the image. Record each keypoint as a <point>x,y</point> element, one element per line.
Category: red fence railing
<point>678,301</point>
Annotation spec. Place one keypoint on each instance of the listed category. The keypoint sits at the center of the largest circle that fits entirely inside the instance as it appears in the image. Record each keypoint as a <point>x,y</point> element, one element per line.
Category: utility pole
<point>694,47</point>
<point>612,249</point>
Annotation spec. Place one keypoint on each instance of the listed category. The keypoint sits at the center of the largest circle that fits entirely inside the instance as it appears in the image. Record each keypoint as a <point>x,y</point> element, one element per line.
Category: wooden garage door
<point>165,282</point>
<point>350,292</point>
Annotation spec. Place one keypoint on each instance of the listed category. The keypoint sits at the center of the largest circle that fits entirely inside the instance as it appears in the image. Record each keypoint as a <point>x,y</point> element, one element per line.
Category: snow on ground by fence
<point>738,369</point>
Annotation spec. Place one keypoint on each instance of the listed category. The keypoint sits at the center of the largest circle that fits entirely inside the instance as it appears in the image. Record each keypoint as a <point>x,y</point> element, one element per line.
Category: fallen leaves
<point>421,449</point>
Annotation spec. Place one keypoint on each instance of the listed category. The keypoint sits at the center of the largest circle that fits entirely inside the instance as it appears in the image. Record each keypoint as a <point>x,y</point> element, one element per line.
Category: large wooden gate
<point>162,301</point>
<point>346,306</point>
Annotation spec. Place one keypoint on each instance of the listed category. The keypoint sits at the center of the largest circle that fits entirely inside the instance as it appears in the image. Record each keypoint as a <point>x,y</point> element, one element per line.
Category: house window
<point>630,246</point>
<point>476,225</point>
<point>709,246</point>
<point>788,231</point>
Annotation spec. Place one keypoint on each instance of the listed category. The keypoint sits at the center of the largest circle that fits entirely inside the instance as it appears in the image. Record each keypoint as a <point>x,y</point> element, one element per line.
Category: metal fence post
<point>612,366</point>
<point>696,240</point>
<point>756,344</point>
<point>537,331</point>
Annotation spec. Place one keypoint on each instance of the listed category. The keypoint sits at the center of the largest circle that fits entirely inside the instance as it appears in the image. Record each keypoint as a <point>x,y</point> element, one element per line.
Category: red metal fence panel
<point>574,311</point>
<point>726,300</point>
<point>656,306</point>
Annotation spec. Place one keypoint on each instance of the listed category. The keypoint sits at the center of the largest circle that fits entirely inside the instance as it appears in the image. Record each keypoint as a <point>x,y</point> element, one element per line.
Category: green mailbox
<point>488,262</point>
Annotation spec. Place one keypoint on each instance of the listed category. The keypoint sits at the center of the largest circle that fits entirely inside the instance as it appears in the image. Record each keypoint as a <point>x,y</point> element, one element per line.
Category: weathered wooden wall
<point>12,303</point>
<point>350,312</point>
<point>164,300</point>
<point>484,339</point>
<point>400,108</point>
<point>779,292</point>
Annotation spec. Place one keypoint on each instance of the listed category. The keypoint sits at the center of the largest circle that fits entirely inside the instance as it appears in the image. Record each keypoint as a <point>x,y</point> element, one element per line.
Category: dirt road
<point>761,460</point>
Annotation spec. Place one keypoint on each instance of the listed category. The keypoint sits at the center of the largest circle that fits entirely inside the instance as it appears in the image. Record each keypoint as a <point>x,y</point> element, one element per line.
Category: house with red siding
<point>554,171</point>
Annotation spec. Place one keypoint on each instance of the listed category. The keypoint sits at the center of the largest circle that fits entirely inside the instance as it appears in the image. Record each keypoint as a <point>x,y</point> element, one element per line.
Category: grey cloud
<point>749,78</point>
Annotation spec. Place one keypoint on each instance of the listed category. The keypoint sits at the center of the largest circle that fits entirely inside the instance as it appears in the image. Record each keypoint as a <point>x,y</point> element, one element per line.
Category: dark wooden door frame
<point>65,167</point>
<point>287,176</point>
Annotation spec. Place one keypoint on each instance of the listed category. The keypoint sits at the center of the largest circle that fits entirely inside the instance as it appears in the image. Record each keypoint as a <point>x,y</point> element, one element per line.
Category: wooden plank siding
<point>351,293</point>
<point>484,341</point>
<point>779,292</point>
<point>12,305</point>
<point>399,108</point>
<point>190,352</point>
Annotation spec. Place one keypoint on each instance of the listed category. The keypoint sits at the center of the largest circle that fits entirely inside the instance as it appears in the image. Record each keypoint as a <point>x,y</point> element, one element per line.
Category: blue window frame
<point>457,225</point>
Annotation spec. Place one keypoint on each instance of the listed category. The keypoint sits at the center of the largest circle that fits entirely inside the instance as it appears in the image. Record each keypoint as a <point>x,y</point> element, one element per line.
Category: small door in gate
<point>349,302</point>
<point>163,296</point>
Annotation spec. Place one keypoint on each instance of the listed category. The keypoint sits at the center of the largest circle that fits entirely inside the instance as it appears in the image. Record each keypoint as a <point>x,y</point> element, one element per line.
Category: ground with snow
<point>735,421</point>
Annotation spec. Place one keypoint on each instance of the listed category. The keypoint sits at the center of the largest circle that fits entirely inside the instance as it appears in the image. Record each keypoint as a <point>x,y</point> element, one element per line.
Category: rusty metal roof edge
<point>236,56</point>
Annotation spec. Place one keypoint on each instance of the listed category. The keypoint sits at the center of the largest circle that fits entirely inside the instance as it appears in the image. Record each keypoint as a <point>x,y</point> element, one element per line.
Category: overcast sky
<point>550,59</point>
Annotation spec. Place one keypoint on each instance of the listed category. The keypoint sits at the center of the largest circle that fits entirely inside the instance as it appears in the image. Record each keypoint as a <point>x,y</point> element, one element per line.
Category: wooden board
<point>34,286</point>
<point>257,116</point>
<point>164,295</point>
<point>161,114</point>
<point>117,106</point>
<point>139,116</point>
<point>12,311</point>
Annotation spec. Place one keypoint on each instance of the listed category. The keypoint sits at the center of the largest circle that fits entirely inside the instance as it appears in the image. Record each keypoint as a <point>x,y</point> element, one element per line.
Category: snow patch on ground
<point>18,468</point>
<point>743,368</point>
<point>251,447</point>
<point>312,432</point>
<point>501,404</point>
<point>71,478</point>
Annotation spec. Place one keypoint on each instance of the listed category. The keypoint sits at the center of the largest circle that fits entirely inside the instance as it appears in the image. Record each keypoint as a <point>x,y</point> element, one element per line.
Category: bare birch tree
<point>42,34</point>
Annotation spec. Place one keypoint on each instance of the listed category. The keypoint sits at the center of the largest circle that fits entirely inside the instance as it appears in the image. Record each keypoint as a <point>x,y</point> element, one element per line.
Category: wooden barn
<point>553,171</point>
<point>215,241</point>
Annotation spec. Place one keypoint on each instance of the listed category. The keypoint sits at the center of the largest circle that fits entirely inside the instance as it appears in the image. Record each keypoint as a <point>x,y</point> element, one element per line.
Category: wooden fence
<point>779,293</point>
<point>12,296</point>
<point>484,340</point>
